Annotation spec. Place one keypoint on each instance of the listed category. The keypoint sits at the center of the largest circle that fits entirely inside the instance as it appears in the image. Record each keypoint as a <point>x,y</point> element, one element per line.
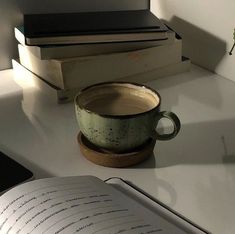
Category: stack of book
<point>67,52</point>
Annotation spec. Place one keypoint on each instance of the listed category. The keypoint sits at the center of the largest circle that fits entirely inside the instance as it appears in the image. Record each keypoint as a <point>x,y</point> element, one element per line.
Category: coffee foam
<point>118,99</point>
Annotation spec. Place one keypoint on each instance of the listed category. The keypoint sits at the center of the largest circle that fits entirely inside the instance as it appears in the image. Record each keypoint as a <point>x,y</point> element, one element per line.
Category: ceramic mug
<point>120,116</point>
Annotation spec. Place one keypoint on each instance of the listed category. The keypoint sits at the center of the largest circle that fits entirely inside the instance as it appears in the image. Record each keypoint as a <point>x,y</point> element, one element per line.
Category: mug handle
<point>176,124</point>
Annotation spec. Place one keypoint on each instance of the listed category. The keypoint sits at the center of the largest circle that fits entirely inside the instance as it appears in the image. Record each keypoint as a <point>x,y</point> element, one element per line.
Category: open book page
<point>155,205</point>
<point>83,204</point>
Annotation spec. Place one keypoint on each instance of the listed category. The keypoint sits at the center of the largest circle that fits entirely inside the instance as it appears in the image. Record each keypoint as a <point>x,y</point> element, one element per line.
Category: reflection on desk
<point>194,173</point>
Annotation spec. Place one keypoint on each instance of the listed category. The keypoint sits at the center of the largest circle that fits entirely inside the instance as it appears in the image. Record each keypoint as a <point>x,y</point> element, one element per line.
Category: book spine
<point>118,65</point>
<point>22,74</point>
<point>77,50</point>
<point>80,72</point>
<point>50,70</point>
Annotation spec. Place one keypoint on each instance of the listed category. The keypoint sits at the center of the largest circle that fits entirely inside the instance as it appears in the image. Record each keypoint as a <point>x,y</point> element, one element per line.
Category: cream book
<point>68,51</point>
<point>27,79</point>
<point>76,72</point>
<point>85,204</point>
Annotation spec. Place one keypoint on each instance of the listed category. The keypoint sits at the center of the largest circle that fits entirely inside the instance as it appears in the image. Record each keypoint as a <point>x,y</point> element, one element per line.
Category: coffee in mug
<point>120,116</point>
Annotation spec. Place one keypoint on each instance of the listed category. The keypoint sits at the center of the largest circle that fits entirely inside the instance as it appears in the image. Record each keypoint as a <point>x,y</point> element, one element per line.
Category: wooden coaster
<point>108,159</point>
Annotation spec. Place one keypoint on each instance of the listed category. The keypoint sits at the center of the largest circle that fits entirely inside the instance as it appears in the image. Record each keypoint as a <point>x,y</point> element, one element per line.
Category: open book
<point>85,204</point>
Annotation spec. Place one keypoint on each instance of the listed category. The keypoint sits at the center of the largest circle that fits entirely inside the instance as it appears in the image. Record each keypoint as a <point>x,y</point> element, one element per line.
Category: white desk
<point>194,173</point>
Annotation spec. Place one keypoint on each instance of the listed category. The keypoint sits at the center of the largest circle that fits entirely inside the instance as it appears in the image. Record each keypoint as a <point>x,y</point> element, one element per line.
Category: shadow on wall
<point>203,48</point>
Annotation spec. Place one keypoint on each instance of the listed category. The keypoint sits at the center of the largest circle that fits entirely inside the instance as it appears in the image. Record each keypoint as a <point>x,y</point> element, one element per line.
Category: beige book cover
<point>76,72</point>
<point>24,77</point>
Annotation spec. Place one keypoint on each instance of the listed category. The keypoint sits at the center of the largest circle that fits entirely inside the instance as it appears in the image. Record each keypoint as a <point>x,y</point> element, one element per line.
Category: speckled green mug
<point>121,116</point>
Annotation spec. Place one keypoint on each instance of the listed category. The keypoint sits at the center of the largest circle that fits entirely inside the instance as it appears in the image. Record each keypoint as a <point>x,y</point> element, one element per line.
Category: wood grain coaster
<point>109,159</point>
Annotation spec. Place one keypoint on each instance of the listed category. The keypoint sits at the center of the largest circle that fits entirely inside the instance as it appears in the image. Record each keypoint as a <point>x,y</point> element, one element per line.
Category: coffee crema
<point>118,99</point>
<point>119,105</point>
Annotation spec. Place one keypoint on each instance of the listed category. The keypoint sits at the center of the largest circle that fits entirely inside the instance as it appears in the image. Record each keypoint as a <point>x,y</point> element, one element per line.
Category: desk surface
<point>194,173</point>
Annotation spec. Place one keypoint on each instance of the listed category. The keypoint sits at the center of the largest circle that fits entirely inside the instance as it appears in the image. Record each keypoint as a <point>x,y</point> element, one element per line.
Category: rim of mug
<point>118,116</point>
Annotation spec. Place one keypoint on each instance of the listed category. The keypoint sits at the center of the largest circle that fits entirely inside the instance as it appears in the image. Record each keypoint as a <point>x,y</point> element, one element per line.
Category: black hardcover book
<point>12,173</point>
<point>92,27</point>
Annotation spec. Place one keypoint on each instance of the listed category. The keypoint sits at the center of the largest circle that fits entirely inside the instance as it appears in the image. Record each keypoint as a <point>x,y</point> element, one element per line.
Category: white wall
<point>11,14</point>
<point>207,30</point>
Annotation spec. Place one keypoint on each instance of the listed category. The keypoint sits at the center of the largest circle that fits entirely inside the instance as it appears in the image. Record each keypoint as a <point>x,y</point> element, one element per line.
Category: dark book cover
<point>87,23</point>
<point>12,173</point>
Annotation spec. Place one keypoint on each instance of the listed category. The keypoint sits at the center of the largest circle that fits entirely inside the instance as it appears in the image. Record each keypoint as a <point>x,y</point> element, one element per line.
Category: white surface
<point>206,28</point>
<point>11,15</point>
<point>194,173</point>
